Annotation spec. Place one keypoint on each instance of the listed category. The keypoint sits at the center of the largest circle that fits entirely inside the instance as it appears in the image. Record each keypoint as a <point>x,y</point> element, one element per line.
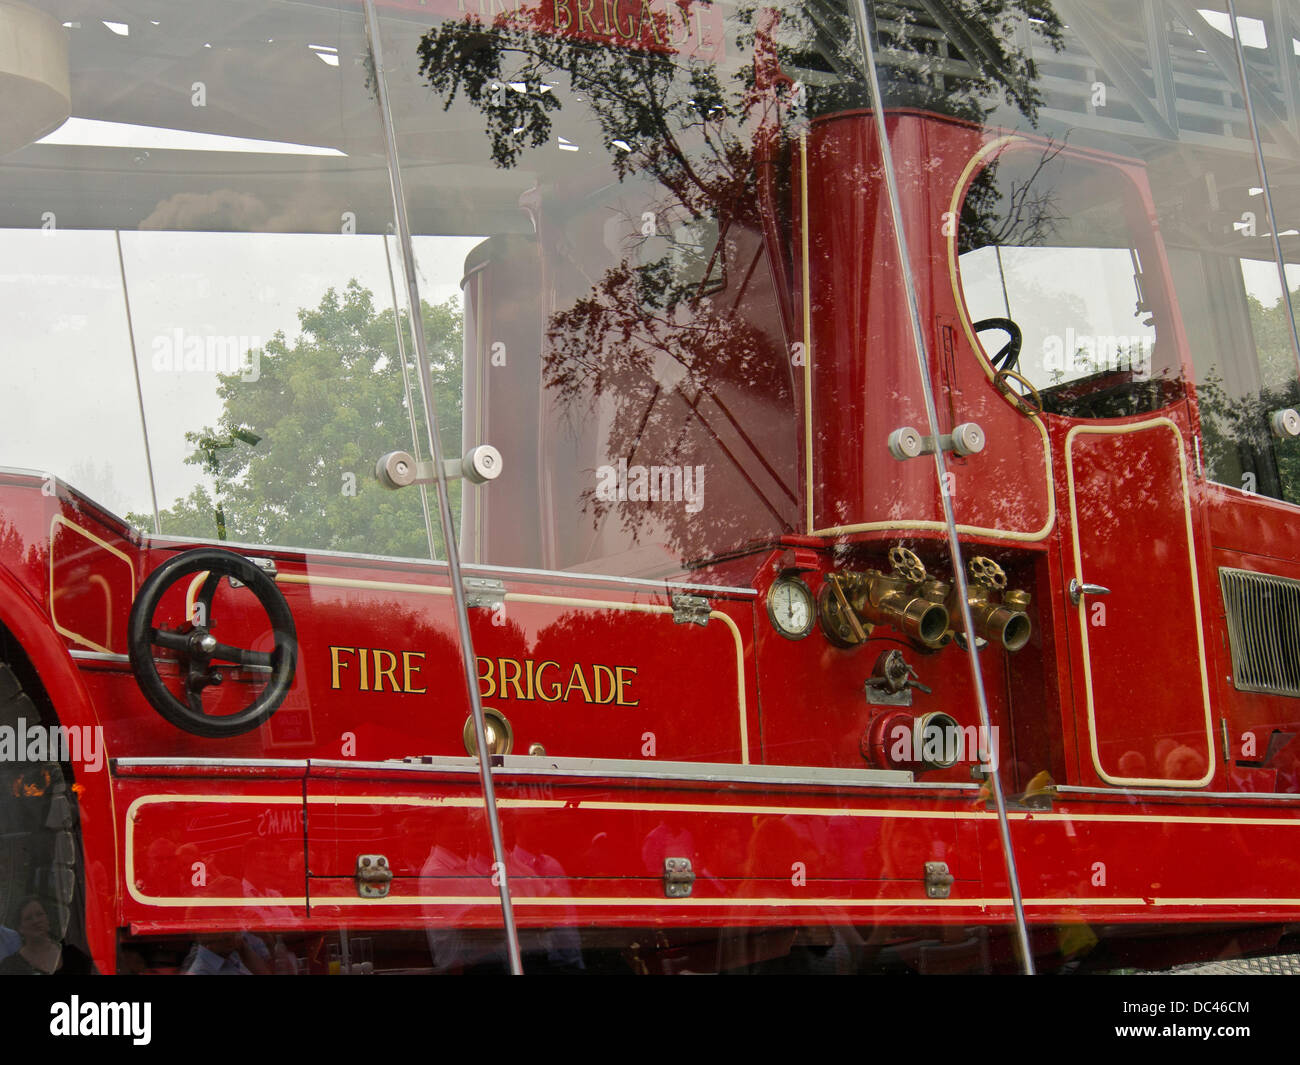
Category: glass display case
<point>648,486</point>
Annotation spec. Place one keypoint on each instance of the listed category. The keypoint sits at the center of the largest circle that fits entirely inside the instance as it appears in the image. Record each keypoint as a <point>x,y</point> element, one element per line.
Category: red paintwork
<point>589,852</point>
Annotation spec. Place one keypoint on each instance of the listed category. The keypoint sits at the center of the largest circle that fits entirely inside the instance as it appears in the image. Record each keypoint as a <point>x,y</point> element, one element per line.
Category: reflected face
<point>33,921</point>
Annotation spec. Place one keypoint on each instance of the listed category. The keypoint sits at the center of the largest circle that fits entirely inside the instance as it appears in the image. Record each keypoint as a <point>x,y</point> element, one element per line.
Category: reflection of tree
<point>1015,209</point>
<point>662,354</point>
<point>292,457</point>
<point>923,70</point>
<point>36,558</point>
<point>1239,447</point>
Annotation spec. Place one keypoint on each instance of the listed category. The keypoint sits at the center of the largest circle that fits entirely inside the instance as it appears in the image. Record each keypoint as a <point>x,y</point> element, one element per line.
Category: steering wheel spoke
<point>172,641</point>
<point>197,650</point>
<point>240,656</point>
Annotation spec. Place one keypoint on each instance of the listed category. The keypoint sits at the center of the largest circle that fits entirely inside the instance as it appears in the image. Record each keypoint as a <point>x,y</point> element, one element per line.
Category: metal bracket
<point>938,881</point>
<point>690,610</point>
<point>398,469</point>
<point>484,592</point>
<point>1032,803</point>
<point>679,878</point>
<point>880,695</point>
<point>374,876</point>
<point>907,443</point>
<point>1039,800</point>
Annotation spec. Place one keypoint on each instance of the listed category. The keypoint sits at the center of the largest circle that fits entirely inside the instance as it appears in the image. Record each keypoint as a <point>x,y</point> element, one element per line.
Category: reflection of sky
<point>69,406</point>
<point>93,132</point>
<point>1262,281</point>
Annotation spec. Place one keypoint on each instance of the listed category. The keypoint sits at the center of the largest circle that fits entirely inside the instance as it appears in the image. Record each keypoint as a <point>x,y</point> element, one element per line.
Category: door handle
<point>1078,591</point>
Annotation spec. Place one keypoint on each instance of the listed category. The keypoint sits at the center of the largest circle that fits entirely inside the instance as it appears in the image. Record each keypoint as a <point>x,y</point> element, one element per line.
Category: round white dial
<point>790,606</point>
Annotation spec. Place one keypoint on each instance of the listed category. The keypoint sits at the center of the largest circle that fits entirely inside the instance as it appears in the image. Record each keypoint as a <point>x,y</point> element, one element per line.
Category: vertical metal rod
<point>931,412</point>
<point>139,391</point>
<point>1263,180</point>
<point>444,503</point>
<point>407,395</point>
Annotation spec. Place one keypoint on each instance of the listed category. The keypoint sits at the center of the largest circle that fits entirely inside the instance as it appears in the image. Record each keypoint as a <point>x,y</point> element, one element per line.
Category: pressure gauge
<point>790,606</point>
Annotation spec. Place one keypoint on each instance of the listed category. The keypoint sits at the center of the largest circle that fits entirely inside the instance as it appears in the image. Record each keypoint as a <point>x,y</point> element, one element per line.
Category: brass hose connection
<point>998,615</point>
<point>898,599</point>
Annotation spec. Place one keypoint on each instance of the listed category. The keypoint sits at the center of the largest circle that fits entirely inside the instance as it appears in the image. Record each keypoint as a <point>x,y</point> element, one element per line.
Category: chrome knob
<point>481,464</point>
<point>397,469</point>
<point>967,439</point>
<point>1285,424</point>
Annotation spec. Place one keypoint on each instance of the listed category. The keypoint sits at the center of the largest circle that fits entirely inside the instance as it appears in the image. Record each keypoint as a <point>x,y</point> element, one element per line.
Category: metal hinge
<point>374,877</point>
<point>484,592</point>
<point>678,877</point>
<point>690,610</point>
<point>938,881</point>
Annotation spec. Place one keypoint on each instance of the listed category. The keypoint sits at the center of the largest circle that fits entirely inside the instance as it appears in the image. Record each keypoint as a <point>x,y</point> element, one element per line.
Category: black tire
<point>38,845</point>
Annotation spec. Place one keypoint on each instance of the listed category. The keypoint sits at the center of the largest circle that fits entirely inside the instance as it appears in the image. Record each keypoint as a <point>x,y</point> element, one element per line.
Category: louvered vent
<point>1264,630</point>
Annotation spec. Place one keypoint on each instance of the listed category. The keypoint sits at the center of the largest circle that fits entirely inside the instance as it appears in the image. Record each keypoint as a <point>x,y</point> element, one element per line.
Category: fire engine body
<point>671,763</point>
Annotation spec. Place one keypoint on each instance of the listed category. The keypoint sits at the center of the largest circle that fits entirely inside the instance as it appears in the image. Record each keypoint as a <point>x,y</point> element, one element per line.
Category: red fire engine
<point>656,485</point>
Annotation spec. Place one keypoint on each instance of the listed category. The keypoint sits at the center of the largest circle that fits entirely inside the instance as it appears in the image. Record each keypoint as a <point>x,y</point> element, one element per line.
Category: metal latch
<point>1079,589</point>
<point>374,877</point>
<point>266,565</point>
<point>679,877</point>
<point>690,610</point>
<point>484,592</point>
<point>938,881</point>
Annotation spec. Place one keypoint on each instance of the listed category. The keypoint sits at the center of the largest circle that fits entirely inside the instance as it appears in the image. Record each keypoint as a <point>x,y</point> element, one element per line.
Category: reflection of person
<point>40,955</point>
<point>227,954</point>
<point>1184,763</point>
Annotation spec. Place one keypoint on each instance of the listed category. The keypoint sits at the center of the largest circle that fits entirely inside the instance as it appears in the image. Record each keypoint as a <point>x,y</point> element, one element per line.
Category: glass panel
<point>209,315</point>
<point>595,199</point>
<point>1243,397</point>
<point>231,278</point>
<point>718,616</point>
<point>631,203</point>
<point>1084,213</point>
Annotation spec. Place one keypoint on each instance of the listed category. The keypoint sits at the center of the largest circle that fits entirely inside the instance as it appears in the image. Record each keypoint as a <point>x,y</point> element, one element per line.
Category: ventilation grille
<point>1264,630</point>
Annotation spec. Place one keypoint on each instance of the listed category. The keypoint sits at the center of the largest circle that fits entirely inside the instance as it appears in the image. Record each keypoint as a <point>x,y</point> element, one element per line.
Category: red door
<point>1137,649</point>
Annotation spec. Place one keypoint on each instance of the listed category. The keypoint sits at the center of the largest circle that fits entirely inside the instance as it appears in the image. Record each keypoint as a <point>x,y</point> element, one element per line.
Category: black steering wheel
<point>198,649</point>
<point>1008,358</point>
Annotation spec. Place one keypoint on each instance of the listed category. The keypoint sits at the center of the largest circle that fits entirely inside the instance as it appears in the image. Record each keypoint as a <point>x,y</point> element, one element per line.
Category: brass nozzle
<point>919,619</point>
<point>1005,624</point>
<point>1001,625</point>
